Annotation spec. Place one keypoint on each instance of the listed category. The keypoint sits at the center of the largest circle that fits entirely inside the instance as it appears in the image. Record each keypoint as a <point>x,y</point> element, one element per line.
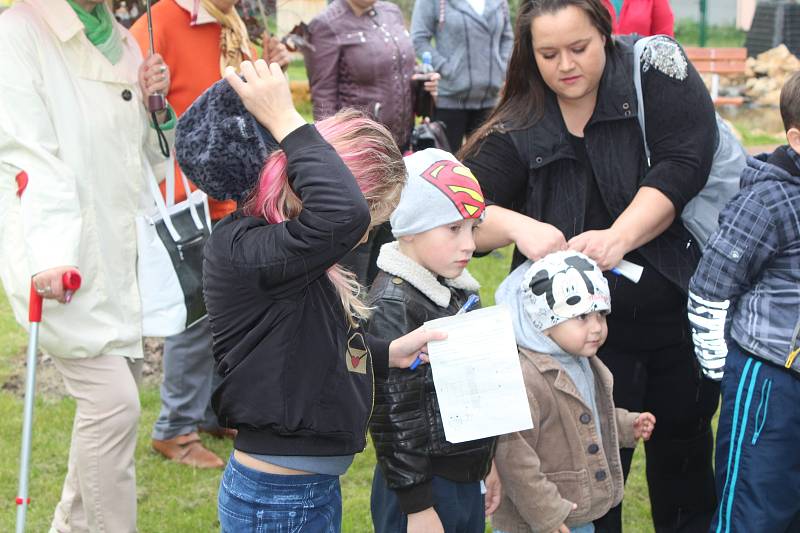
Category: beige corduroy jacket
<point>561,460</point>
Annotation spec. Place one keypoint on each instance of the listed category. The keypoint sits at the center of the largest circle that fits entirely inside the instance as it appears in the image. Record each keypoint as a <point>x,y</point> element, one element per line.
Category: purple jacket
<point>363,62</point>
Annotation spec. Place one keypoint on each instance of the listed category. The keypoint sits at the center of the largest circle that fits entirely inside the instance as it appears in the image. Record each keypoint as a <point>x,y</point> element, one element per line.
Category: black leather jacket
<point>406,424</point>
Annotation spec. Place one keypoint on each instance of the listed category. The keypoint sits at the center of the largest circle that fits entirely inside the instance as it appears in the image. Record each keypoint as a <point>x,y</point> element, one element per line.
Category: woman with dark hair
<point>563,161</point>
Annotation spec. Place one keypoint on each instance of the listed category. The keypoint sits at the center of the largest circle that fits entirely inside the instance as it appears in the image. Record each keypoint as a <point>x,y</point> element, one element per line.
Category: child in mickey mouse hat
<point>423,483</point>
<point>566,471</point>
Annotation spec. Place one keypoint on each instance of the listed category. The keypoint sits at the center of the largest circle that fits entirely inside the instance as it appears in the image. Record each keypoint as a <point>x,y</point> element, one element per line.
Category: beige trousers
<point>99,494</point>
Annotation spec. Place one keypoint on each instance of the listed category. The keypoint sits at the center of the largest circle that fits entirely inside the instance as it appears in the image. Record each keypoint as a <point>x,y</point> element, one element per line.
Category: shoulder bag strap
<point>638,50</point>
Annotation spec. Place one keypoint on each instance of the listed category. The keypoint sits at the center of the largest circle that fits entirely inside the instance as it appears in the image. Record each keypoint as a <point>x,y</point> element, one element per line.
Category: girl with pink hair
<point>297,366</point>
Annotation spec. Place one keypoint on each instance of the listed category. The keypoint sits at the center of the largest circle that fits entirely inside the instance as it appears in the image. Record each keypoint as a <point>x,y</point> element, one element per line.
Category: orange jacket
<point>192,53</point>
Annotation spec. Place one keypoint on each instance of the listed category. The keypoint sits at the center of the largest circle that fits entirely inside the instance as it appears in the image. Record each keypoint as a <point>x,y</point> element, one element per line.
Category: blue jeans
<point>253,501</point>
<point>758,467</point>
<point>459,506</point>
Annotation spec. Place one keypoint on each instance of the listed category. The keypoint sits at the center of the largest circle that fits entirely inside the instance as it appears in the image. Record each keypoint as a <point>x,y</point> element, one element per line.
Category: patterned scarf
<point>234,45</point>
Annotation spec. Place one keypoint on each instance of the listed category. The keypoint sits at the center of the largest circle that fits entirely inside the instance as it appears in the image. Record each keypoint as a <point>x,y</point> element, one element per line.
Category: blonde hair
<point>371,154</point>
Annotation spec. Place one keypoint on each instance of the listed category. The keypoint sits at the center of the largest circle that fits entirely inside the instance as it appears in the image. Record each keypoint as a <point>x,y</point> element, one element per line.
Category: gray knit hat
<point>220,146</point>
<point>440,190</point>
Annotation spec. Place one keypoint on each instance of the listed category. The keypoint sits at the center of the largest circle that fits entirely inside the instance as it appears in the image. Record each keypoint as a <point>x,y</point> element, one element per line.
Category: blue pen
<point>471,301</point>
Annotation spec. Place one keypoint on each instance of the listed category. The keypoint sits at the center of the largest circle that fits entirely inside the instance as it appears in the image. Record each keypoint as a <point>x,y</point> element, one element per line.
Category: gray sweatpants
<point>189,379</point>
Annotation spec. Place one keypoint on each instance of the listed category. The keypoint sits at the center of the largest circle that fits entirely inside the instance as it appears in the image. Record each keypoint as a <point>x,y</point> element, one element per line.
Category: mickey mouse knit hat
<point>440,190</point>
<point>220,146</point>
<point>563,285</point>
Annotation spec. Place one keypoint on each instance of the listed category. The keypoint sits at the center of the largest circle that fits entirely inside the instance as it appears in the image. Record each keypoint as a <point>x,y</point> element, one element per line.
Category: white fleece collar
<point>396,263</point>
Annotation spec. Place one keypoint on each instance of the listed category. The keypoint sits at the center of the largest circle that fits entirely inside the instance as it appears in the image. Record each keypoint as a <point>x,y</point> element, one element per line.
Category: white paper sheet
<point>632,271</point>
<point>477,375</point>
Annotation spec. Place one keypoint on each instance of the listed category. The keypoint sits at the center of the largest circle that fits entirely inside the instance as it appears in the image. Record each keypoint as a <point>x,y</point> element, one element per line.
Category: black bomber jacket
<point>406,424</point>
<point>297,378</point>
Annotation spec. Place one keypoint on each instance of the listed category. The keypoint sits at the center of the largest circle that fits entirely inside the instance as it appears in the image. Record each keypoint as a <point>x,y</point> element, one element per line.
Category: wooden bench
<point>716,61</point>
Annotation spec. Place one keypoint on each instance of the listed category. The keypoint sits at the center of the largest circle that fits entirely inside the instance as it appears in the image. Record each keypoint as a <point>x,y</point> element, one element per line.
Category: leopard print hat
<point>220,146</point>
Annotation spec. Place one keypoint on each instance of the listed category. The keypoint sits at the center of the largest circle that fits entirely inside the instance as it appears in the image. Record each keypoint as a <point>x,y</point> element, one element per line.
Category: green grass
<point>757,138</point>
<point>687,32</point>
<point>297,70</point>
<point>12,337</point>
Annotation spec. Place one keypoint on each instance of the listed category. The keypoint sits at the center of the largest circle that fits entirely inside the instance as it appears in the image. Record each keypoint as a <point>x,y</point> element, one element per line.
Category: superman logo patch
<point>459,184</point>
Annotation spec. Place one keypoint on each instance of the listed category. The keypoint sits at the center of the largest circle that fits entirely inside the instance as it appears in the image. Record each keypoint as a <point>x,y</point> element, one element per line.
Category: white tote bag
<point>170,240</point>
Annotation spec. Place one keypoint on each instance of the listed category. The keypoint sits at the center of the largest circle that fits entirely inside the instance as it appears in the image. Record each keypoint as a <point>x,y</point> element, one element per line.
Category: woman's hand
<point>48,284</point>
<point>404,350</point>
<point>494,491</point>
<point>267,96</point>
<point>536,239</point>
<point>426,521</point>
<point>154,78</point>
<point>275,51</point>
<point>606,247</point>
<point>643,426</point>
<point>431,84</point>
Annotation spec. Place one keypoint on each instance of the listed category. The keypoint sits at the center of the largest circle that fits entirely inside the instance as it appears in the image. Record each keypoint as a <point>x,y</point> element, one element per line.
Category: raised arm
<point>335,215</point>
<point>504,177</point>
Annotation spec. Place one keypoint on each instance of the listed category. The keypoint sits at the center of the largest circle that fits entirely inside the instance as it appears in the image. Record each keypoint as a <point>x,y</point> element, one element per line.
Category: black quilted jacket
<point>406,425</point>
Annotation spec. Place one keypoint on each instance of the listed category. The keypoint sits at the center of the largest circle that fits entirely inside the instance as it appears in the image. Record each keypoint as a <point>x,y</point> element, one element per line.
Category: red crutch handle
<point>71,280</point>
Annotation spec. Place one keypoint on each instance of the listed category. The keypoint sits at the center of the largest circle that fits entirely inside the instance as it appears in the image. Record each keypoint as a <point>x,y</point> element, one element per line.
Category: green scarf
<point>100,30</point>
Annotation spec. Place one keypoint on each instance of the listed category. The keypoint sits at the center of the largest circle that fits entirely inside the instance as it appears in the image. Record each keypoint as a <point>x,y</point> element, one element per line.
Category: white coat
<point>75,124</point>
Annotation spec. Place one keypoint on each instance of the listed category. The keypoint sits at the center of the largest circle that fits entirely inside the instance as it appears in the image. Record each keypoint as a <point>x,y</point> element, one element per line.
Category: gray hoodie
<point>471,51</point>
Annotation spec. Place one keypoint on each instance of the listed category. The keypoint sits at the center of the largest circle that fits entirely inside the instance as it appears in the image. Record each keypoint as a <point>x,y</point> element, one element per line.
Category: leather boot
<point>188,450</point>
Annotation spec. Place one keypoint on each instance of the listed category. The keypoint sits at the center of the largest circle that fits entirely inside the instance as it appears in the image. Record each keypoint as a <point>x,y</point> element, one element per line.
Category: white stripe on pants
<point>99,493</point>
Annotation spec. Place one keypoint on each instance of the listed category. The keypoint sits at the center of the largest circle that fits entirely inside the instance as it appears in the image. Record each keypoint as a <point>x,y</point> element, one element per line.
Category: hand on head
<point>266,95</point>
<point>604,246</point>
<point>536,239</point>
